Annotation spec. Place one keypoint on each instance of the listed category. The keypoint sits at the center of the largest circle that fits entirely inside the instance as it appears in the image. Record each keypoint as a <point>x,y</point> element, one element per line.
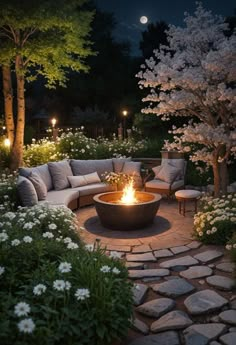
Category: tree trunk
<point>216,173</point>
<point>17,149</point>
<point>224,176</point>
<point>8,102</point>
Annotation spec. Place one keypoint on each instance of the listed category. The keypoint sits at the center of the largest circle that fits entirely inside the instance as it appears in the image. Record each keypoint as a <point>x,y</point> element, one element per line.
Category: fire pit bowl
<point>116,215</point>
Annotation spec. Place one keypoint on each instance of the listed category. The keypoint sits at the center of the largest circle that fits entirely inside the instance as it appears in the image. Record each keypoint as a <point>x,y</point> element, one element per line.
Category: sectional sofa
<point>72,183</point>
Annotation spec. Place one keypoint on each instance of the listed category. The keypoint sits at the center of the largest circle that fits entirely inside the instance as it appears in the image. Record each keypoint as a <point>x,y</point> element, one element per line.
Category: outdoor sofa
<point>72,183</point>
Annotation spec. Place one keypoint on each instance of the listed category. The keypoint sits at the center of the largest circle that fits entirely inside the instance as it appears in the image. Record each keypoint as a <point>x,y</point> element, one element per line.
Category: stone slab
<point>176,319</point>
<point>134,265</point>
<point>117,248</point>
<point>153,272</point>
<point>164,338</point>
<point>173,288</point>
<point>163,253</point>
<point>203,333</point>
<point>208,255</point>
<point>179,249</point>
<point>184,261</point>
<point>156,307</point>
<point>229,338</point>
<point>194,245</point>
<point>151,279</point>
<point>221,282</point>
<point>140,326</point>
<point>141,257</point>
<point>228,316</point>
<point>196,272</point>
<point>226,267</point>
<point>204,301</point>
<point>144,248</point>
<point>139,293</point>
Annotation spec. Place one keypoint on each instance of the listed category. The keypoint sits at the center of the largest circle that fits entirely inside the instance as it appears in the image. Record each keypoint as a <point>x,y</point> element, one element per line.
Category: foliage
<point>55,290</point>
<point>198,175</point>
<point>231,246</point>
<point>215,223</point>
<point>8,193</point>
<point>117,178</point>
<point>195,77</point>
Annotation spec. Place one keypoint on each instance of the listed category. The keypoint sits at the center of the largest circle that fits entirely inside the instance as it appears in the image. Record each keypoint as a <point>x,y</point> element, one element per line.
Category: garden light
<point>7,142</point>
<point>54,121</point>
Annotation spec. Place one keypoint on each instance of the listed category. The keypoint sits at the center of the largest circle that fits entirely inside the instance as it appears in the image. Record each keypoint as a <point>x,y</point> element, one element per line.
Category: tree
<point>153,37</point>
<point>195,76</point>
<point>46,39</point>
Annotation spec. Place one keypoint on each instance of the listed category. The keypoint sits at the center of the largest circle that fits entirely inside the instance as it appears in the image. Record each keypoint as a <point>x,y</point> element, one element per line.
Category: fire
<point>128,196</point>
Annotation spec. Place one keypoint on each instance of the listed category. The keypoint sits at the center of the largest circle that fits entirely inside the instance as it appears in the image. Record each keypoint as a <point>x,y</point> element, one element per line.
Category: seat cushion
<point>95,188</point>
<point>84,167</point>
<point>188,194</point>
<point>158,184</point>
<point>118,163</point>
<point>43,172</point>
<point>62,197</point>
<point>59,172</point>
<point>39,185</point>
<point>26,191</point>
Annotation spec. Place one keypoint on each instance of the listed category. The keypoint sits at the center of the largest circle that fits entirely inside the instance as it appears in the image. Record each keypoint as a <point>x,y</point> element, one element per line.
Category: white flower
<point>27,239</point>
<point>67,240</point>
<point>228,246</point>
<point>208,232</point>
<point>89,247</point>
<point>52,226</point>
<point>15,242</point>
<point>59,285</point>
<point>28,226</point>
<point>200,233</point>
<point>64,267</point>
<point>81,294</point>
<point>115,255</point>
<point>2,270</point>
<point>39,289</point>
<point>67,285</point>
<point>10,215</point>
<point>22,309</point>
<point>105,269</point>
<point>3,236</point>
<point>48,234</point>
<point>115,270</point>
<point>26,326</point>
<point>72,245</point>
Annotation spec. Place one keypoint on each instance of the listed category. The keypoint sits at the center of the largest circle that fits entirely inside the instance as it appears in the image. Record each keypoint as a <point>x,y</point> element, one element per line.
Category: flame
<point>128,196</point>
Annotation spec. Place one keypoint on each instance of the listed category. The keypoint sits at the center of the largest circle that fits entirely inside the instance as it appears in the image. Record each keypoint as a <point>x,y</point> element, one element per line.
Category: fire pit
<point>118,211</point>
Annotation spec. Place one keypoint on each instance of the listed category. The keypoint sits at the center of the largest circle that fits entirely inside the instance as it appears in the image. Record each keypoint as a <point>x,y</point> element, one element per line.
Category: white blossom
<point>22,309</point>
<point>82,294</point>
<point>27,239</point>
<point>65,267</point>
<point>26,326</point>
<point>39,289</point>
<point>2,270</point>
<point>105,269</point>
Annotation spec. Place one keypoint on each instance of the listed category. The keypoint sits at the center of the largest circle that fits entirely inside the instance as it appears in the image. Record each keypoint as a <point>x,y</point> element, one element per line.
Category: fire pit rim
<point>156,197</point>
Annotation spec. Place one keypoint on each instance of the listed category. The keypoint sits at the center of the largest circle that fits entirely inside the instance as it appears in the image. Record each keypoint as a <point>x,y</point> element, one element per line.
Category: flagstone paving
<point>184,292</point>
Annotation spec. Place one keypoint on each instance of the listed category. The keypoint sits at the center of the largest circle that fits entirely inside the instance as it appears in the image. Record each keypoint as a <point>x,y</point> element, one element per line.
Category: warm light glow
<point>128,196</point>
<point>4,127</point>
<point>7,142</point>
<point>125,112</point>
<point>54,121</point>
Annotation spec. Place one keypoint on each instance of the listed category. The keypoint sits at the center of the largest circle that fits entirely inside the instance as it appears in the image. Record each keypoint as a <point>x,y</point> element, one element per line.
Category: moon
<point>143,20</point>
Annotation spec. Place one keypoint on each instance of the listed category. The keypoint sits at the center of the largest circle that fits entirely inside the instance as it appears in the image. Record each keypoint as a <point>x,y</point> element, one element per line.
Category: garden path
<point>183,290</point>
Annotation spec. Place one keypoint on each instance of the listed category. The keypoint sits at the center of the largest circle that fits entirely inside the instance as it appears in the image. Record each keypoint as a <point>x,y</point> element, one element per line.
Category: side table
<point>187,195</point>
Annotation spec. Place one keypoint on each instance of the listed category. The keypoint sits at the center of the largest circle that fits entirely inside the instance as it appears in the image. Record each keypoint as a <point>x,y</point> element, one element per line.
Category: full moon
<point>143,20</point>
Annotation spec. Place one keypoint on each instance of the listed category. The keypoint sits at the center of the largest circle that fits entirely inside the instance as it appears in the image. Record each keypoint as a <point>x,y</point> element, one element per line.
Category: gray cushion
<point>39,185</point>
<point>84,167</point>
<point>95,188</point>
<point>158,184</point>
<point>156,170</point>
<point>65,196</point>
<point>118,163</point>
<point>27,192</point>
<point>168,173</point>
<point>60,171</point>
<point>43,172</point>
<point>178,163</point>
<point>92,178</point>
<point>132,168</point>
<point>77,181</point>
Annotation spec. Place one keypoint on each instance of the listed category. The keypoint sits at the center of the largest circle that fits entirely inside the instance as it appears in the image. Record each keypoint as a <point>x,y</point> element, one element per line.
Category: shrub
<point>215,223</point>
<point>8,193</point>
<point>55,290</point>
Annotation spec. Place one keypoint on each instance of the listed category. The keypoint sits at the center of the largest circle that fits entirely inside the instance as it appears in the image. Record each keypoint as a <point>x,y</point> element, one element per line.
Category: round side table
<point>187,195</point>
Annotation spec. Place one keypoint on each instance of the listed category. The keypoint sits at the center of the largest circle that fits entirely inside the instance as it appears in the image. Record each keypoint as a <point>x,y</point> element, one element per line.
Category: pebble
<point>173,288</point>
<point>201,333</point>
<point>228,316</point>
<point>184,261</point>
<point>157,307</point>
<point>221,282</point>
<point>196,272</point>
<point>176,319</point>
<point>208,255</point>
<point>155,272</point>
<point>226,267</point>
<point>229,338</point>
<point>140,326</point>
<point>139,293</point>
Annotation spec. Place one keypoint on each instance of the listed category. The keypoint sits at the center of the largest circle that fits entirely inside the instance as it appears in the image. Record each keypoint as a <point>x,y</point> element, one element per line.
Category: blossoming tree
<point>195,77</point>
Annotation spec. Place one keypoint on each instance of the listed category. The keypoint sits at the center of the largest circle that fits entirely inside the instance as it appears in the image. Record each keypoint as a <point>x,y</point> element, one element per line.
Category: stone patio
<point>183,291</point>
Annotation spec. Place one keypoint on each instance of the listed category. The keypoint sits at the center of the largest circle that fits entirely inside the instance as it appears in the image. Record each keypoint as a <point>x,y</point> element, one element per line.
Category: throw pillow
<point>39,185</point>
<point>77,181</point>
<point>26,191</point>
<point>168,173</point>
<point>60,171</point>
<point>92,178</point>
<point>177,163</point>
<point>132,168</point>
<point>156,170</point>
<point>118,164</point>
<point>42,171</point>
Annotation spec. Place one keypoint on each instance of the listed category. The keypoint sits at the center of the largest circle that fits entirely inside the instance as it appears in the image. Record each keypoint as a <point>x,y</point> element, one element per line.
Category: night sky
<point>128,12</point>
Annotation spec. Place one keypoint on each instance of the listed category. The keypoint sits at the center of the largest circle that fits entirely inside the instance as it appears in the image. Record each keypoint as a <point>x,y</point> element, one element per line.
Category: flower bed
<point>215,223</point>
<point>55,290</point>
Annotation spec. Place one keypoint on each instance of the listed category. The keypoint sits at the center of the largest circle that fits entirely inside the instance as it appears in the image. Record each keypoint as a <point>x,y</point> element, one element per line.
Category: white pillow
<point>77,181</point>
<point>168,173</point>
<point>156,170</point>
<point>92,178</point>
